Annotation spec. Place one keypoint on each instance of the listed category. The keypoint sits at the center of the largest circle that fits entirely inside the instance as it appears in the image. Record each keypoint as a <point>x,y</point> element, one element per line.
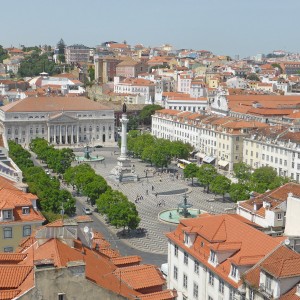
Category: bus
<point>182,163</point>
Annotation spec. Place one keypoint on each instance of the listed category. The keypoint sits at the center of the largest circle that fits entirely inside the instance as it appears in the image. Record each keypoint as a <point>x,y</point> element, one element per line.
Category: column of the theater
<point>60,137</point>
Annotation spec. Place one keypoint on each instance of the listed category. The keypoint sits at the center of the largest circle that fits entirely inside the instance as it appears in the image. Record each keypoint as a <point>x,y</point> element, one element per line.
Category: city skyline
<point>224,28</point>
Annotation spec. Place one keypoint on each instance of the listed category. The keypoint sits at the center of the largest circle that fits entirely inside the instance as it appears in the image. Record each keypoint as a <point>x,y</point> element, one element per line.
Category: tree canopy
<point>147,112</point>
<point>242,172</point>
<point>206,175</point>
<point>118,209</point>
<point>3,54</point>
<point>190,171</point>
<point>221,185</point>
<point>36,64</point>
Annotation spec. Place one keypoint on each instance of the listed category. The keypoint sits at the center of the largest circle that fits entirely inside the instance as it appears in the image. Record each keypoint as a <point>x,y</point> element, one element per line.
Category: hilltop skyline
<point>224,28</point>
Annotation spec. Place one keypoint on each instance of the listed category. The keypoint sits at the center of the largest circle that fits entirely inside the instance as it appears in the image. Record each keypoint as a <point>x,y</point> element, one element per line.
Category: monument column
<point>124,171</point>
<point>49,129</point>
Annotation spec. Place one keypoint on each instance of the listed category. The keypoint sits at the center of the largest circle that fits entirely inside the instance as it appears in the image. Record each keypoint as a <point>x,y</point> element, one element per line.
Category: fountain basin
<point>91,158</point>
<point>173,215</point>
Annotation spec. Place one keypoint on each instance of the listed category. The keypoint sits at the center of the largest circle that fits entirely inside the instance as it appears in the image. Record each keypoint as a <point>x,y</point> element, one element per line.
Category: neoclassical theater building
<point>59,120</point>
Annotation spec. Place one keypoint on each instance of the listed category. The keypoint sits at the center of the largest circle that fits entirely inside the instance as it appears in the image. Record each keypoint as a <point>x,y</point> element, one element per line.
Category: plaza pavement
<point>153,240</point>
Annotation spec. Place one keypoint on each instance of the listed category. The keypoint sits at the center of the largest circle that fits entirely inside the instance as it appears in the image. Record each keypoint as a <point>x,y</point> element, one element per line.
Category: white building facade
<point>59,120</point>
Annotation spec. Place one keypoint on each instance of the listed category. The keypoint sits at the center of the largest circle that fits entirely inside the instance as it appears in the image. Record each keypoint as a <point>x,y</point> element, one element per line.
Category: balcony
<point>265,291</point>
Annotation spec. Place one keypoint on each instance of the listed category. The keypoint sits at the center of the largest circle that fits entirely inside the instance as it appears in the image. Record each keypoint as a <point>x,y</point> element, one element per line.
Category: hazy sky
<point>244,27</point>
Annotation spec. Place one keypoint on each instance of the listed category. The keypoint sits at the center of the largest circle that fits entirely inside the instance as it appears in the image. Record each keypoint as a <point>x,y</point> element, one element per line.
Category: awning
<point>208,159</point>
<point>200,155</point>
<point>223,163</point>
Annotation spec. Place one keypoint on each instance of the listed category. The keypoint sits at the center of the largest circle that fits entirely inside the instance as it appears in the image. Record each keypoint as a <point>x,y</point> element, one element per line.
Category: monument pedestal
<point>123,171</point>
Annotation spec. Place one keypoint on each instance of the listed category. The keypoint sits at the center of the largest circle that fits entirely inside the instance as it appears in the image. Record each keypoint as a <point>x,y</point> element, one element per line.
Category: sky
<point>243,27</point>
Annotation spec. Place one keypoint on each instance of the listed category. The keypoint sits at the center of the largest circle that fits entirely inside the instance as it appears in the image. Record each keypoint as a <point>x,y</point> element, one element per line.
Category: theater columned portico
<point>59,120</point>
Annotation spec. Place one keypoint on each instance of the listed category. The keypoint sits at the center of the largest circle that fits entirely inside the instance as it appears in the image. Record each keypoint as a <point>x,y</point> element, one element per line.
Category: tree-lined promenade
<point>260,180</point>
<point>115,205</point>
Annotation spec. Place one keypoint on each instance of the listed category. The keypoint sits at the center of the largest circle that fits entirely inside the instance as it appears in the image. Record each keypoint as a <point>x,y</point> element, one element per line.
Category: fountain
<point>183,210</point>
<point>87,156</point>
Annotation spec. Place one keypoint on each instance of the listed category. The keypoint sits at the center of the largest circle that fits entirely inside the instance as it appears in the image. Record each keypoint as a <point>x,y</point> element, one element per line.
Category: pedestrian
<point>152,188</point>
<point>147,192</point>
<point>156,195</point>
<point>141,197</point>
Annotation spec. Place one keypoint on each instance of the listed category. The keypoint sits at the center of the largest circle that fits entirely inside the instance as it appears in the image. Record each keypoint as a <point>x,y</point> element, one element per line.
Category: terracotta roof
<point>125,260</point>
<point>274,198</point>
<point>140,277</point>
<point>12,277</point>
<point>218,230</point>
<point>53,104</point>
<point>267,101</point>
<point>137,82</point>
<point>277,263</point>
<point>12,257</point>
<point>8,294</point>
<point>163,295</point>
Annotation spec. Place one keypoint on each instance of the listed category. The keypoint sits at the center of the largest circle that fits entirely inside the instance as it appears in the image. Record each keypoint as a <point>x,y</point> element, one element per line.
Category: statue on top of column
<point>124,108</point>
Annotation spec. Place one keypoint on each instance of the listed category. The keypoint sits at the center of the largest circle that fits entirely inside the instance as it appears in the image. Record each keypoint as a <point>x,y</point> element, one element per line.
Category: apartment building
<point>274,146</point>
<point>277,276</point>
<point>209,256</point>
<point>218,139</point>
<point>136,86</point>
<point>77,53</point>
<point>19,215</point>
<point>268,210</point>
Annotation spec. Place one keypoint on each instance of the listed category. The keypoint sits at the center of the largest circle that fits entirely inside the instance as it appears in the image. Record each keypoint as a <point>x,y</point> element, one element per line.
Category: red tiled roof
<point>125,260</point>
<point>224,229</point>
<point>163,295</point>
<point>140,277</point>
<point>12,277</point>
<point>12,257</point>
<point>8,294</point>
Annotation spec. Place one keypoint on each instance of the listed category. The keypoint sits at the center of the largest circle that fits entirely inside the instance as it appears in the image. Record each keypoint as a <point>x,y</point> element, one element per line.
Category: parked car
<point>87,211</point>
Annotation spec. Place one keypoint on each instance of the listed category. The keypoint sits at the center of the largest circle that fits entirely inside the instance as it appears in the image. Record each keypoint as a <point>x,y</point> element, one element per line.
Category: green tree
<point>3,54</point>
<point>239,191</point>
<point>95,188</point>
<point>142,141</point>
<point>36,64</point>
<point>191,171</point>
<point>276,65</point>
<point>242,172</point>
<point>147,112</point>
<point>220,185</point>
<point>61,46</point>
<point>161,153</point>
<point>180,150</point>
<point>91,72</point>
<point>253,77</point>
<point>133,123</point>
<point>206,174</point>
<point>262,178</point>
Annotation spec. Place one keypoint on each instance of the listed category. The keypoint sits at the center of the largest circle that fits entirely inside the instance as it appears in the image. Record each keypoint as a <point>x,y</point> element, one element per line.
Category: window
<point>37,130</point>
<point>61,296</point>
<point>251,294</point>
<point>234,271</point>
<point>212,256</point>
<point>268,283</point>
<point>186,238</point>
<point>7,232</point>
<point>186,258</point>
<point>185,281</point>
<point>279,216</point>
<point>175,272</point>
<point>26,230</point>
<point>211,278</point>
<point>196,267</point>
<point>221,286</point>
<point>8,249</point>
<point>176,250</point>
<point>7,214</point>
<point>25,210</point>
<point>231,294</point>
<point>195,290</point>
<point>210,298</point>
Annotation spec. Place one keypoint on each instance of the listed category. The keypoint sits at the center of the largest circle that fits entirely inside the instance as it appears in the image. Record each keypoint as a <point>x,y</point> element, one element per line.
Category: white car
<point>87,211</point>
